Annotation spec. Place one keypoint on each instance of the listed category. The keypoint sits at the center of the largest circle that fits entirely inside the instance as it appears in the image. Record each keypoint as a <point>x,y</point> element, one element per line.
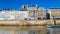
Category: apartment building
<point>22,15</point>
<point>32,12</point>
<point>54,13</point>
<point>13,15</point>
<point>41,13</point>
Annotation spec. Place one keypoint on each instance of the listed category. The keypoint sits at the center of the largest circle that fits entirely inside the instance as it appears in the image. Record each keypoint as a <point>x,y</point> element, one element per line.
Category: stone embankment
<point>29,22</point>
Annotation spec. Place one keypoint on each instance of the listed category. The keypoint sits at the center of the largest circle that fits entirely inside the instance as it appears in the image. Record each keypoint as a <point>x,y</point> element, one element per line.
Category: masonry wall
<point>27,22</point>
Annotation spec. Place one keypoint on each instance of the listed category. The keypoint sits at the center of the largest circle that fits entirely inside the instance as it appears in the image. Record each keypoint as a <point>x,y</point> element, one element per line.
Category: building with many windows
<point>32,12</point>
<point>54,13</point>
<point>41,13</point>
<point>13,15</point>
<point>29,12</point>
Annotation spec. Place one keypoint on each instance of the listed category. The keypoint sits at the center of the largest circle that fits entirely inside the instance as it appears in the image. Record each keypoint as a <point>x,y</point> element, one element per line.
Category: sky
<point>16,4</point>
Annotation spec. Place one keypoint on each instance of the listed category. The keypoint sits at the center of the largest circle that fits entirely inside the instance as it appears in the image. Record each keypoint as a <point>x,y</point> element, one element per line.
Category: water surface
<point>28,30</point>
<point>23,30</point>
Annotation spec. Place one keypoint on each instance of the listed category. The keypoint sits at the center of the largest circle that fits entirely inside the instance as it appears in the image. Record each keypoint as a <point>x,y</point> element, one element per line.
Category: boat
<point>53,26</point>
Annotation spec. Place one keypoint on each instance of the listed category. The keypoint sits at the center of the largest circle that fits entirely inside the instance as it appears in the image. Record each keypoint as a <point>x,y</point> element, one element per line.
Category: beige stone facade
<point>54,13</point>
<point>42,14</point>
<point>38,13</point>
<point>32,8</point>
<point>33,13</point>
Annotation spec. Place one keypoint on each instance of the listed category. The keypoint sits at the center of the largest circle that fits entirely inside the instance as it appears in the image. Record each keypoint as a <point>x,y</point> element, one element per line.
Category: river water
<point>28,30</point>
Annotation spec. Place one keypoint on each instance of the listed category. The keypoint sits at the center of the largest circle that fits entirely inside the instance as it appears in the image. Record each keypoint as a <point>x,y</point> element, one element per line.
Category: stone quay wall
<point>28,22</point>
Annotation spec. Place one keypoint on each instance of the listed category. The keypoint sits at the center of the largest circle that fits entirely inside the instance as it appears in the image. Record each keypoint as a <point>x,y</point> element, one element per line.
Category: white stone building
<point>13,15</point>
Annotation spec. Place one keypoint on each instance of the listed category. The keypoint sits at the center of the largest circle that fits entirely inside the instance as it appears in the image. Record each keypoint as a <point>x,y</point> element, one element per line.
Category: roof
<point>32,6</point>
<point>54,8</point>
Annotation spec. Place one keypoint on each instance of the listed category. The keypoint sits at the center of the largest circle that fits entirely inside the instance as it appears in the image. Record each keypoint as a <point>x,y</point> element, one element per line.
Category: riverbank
<point>28,22</point>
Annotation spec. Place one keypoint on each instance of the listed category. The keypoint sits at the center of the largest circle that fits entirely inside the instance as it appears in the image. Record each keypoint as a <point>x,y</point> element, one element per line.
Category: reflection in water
<point>53,31</point>
<point>28,30</point>
<point>23,30</point>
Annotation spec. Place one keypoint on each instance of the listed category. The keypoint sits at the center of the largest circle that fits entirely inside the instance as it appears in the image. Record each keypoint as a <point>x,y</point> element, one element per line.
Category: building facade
<point>13,15</point>
<point>36,13</point>
<point>42,13</point>
<point>32,12</point>
<point>54,13</point>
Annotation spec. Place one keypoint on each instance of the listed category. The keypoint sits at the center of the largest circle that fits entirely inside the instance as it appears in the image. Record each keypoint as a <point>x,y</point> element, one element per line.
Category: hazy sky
<point>17,3</point>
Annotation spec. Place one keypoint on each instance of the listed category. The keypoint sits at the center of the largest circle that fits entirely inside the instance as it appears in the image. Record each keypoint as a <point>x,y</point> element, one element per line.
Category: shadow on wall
<point>47,16</point>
